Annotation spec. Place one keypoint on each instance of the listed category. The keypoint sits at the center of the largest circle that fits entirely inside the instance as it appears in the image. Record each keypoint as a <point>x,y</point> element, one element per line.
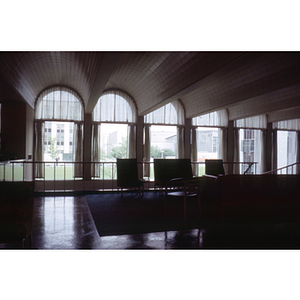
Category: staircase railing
<point>289,169</point>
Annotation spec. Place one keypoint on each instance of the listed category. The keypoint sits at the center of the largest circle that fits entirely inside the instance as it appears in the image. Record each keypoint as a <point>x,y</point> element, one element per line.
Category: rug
<point>132,214</point>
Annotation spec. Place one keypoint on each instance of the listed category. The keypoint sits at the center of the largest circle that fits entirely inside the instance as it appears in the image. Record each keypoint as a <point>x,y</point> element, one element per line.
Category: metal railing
<point>289,169</point>
<point>86,176</point>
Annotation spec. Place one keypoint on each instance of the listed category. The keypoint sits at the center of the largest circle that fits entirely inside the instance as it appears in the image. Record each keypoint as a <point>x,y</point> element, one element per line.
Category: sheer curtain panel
<point>115,106</point>
<point>171,114</point>
<point>147,150</point>
<point>131,147</point>
<point>194,155</point>
<point>180,142</point>
<point>39,149</point>
<point>78,150</point>
<point>96,149</point>
<point>59,103</point>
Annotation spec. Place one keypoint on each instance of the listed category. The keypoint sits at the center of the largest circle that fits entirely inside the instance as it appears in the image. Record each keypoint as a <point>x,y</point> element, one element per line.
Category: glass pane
<point>207,144</point>
<point>18,171</point>
<point>250,150</point>
<point>58,142</point>
<point>286,150</point>
<point>113,142</point>
<point>49,171</point>
<point>163,142</point>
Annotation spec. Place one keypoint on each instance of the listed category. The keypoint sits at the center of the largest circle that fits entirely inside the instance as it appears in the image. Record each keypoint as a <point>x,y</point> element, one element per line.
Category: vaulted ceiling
<point>245,83</point>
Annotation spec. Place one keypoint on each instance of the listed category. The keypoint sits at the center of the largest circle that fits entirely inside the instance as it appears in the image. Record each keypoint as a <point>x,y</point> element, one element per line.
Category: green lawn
<point>60,172</point>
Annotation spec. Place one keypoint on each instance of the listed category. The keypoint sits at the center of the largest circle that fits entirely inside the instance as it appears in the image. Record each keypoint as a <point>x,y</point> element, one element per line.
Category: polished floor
<point>66,223</point>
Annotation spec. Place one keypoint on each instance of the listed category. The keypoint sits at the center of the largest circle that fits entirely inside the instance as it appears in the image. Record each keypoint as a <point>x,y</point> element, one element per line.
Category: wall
<point>14,129</point>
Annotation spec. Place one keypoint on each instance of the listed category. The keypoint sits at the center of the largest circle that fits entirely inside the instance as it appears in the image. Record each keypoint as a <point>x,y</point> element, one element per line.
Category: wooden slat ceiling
<point>245,83</point>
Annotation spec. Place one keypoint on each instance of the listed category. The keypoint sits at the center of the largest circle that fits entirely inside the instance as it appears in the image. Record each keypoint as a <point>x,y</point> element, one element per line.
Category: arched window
<point>59,116</point>
<point>169,114</point>
<point>113,132</point>
<point>164,133</point>
<point>59,103</point>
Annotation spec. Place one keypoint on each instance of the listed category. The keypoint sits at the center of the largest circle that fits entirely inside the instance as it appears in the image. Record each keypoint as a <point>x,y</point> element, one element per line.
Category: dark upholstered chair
<point>127,175</point>
<point>214,167</point>
<point>184,188</point>
<point>167,169</point>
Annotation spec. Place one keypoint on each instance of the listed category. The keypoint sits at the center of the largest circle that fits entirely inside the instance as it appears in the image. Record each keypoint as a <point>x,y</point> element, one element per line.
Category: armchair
<point>127,175</point>
<point>214,167</point>
<point>184,188</point>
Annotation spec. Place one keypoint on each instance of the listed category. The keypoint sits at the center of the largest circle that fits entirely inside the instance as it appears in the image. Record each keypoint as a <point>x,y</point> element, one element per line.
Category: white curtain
<point>194,154</point>
<point>180,142</point>
<point>263,166</point>
<point>236,151</point>
<point>96,149</point>
<point>39,149</point>
<point>222,151</point>
<point>287,125</point>
<point>115,106</point>
<point>131,141</point>
<point>171,113</point>
<point>274,149</point>
<point>59,103</point>
<point>257,122</point>
<point>147,144</point>
<point>213,119</point>
<point>78,150</point>
<point>298,153</point>
<point>292,149</point>
<point>258,153</point>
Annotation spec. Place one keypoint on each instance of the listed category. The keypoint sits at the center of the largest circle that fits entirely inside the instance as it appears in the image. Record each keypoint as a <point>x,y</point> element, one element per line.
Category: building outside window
<point>286,150</point>
<point>163,142</point>
<point>250,149</point>
<point>113,133</point>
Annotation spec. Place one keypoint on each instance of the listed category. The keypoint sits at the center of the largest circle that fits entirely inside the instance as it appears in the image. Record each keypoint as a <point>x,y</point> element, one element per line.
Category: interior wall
<point>14,129</point>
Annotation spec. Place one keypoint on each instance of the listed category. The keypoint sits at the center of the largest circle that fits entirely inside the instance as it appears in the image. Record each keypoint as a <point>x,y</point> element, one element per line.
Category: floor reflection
<point>63,223</point>
<point>66,223</point>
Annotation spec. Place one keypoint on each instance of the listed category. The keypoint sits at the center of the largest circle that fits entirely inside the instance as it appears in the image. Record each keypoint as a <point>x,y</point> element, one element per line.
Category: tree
<point>54,151</point>
<point>156,152</point>
<point>120,151</point>
<point>168,152</point>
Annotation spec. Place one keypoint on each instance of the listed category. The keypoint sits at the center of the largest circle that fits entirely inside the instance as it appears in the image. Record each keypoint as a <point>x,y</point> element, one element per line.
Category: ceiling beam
<point>194,77</point>
<point>286,114</point>
<point>107,66</point>
<point>286,98</point>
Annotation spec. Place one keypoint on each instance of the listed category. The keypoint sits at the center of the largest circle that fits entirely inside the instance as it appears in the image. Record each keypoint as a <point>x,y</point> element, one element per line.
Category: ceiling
<point>245,83</point>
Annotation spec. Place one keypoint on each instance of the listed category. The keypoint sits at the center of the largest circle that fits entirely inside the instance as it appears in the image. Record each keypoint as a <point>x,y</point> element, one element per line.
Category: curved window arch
<point>115,106</point>
<point>164,133</point>
<point>113,132</point>
<point>59,103</point>
<point>171,113</point>
<point>59,116</point>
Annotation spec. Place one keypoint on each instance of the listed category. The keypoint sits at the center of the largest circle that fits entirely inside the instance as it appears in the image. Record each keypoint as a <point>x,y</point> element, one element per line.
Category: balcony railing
<point>289,169</point>
<point>85,176</point>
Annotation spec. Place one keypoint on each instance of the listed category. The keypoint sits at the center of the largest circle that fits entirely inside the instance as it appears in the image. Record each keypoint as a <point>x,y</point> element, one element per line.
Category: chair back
<point>167,169</point>
<point>127,171</point>
<point>214,167</point>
